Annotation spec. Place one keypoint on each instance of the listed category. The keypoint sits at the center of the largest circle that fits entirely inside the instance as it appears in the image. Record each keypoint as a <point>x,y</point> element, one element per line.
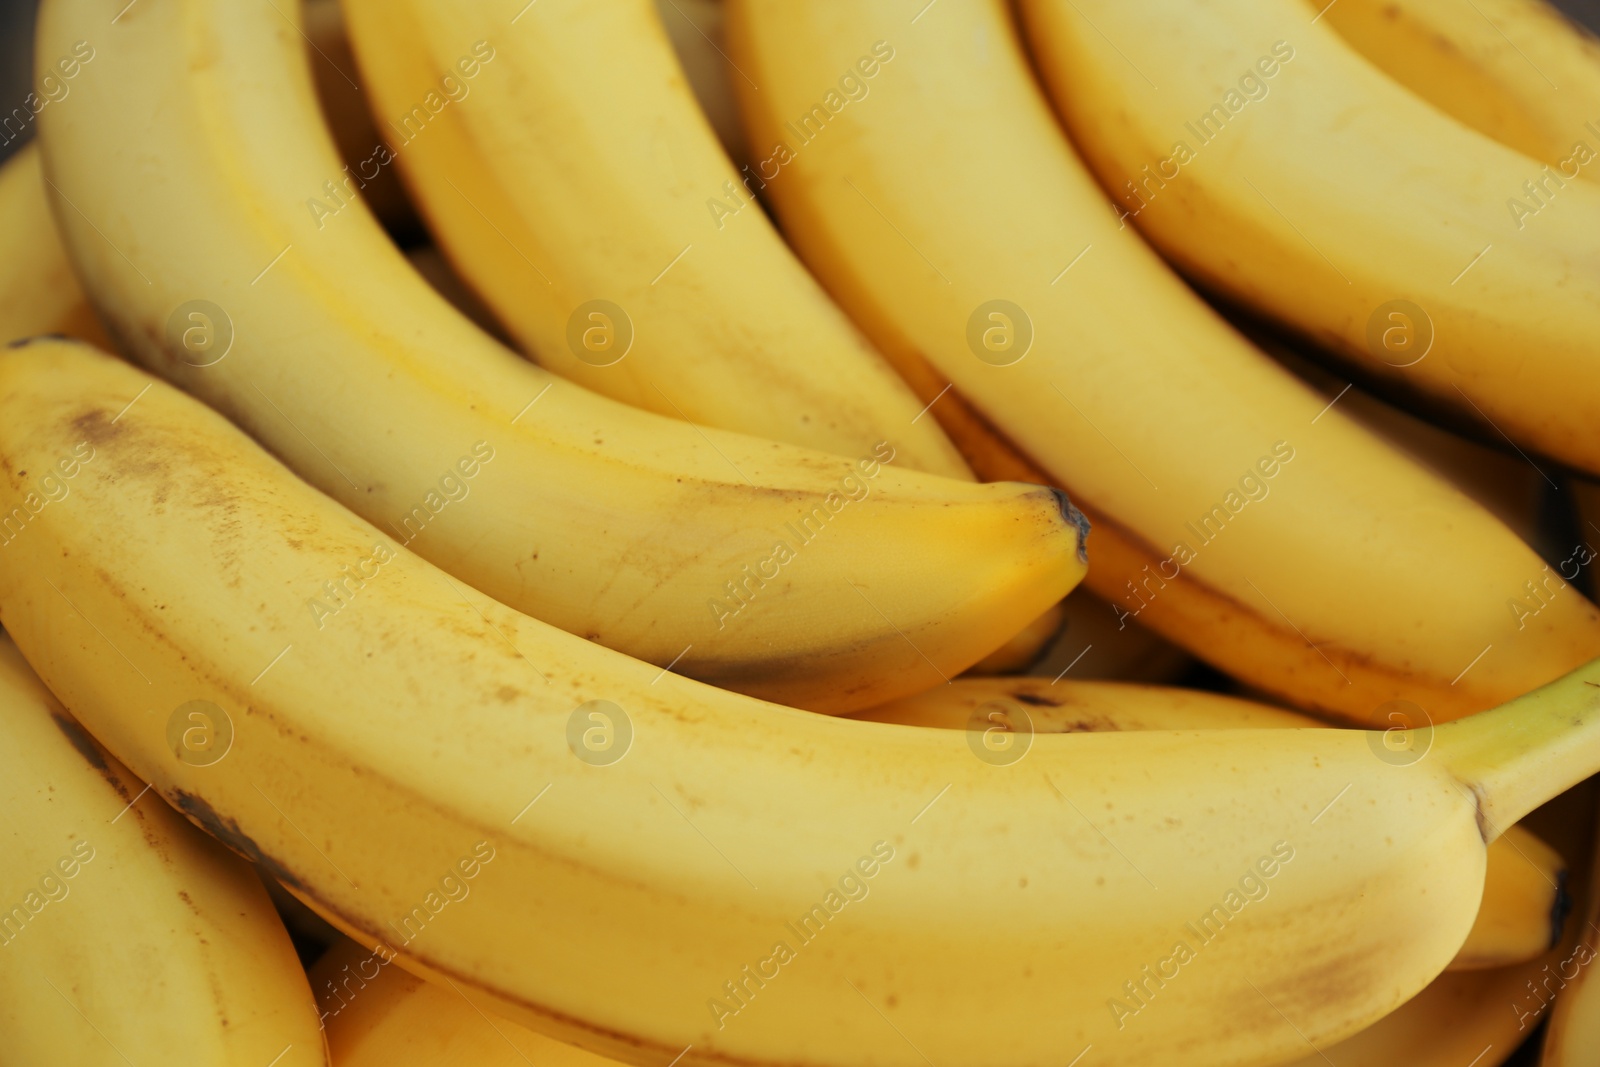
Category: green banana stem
<point>1527,751</point>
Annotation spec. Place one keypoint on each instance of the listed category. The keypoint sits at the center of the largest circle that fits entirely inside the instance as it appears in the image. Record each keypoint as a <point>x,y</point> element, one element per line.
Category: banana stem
<point>1527,751</point>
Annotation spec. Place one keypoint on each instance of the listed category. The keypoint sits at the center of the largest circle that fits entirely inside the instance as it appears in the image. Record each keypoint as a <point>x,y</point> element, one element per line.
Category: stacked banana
<point>596,613</point>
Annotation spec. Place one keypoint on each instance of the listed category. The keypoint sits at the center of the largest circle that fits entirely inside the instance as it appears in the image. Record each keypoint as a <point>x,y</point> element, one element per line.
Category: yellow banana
<point>1281,170</point>
<point>1524,899</point>
<point>38,291</point>
<point>583,194</point>
<point>707,552</point>
<point>126,936</point>
<point>377,1015</point>
<point>1211,475</point>
<point>1517,70</point>
<point>432,770</point>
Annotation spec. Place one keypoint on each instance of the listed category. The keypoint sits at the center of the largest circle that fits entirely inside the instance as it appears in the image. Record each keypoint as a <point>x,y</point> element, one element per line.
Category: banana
<point>583,192</point>
<point>1518,71</point>
<point>1280,170</point>
<point>38,292</point>
<point>125,936</point>
<point>377,1015</point>
<point>1524,899</point>
<point>1139,399</point>
<point>765,568</point>
<point>627,860</point>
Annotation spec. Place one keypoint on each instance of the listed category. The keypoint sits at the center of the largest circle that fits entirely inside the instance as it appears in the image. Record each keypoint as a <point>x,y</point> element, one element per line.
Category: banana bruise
<point>1209,474</point>
<point>712,554</point>
<point>125,934</point>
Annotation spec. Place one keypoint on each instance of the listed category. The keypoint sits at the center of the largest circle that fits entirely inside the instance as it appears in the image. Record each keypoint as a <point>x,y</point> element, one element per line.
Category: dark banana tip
<point>1070,512</point>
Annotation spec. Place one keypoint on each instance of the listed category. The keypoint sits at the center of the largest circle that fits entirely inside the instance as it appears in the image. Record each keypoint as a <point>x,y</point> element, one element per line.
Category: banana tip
<point>1078,519</point>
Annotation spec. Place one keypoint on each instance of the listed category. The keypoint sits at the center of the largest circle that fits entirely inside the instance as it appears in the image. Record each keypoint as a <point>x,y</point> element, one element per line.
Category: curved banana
<point>377,1015</point>
<point>38,291</point>
<point>634,862</point>
<point>1211,475</point>
<point>1524,898</point>
<point>713,554</point>
<point>1282,171</point>
<point>582,191</point>
<point>125,936</point>
<point>1519,71</point>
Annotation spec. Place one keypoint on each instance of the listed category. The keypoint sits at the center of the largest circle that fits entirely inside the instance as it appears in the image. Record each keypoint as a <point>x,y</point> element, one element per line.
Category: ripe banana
<point>1518,71</point>
<point>377,1015</point>
<point>125,936</point>
<point>628,860</point>
<point>38,292</point>
<point>763,567</point>
<point>1211,475</point>
<point>1281,170</point>
<point>583,194</point>
<point>1524,899</point>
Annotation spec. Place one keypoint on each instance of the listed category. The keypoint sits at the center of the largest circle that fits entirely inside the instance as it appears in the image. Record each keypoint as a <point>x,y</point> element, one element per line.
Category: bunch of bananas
<point>581,514</point>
